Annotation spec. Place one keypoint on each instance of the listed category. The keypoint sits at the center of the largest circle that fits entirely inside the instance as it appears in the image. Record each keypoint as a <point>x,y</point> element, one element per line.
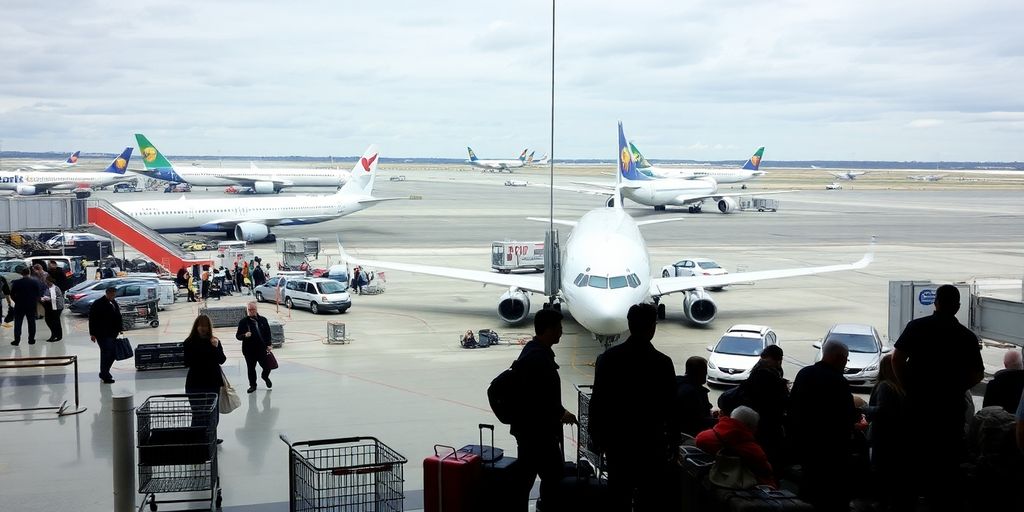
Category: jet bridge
<point>991,308</point>
<point>35,213</point>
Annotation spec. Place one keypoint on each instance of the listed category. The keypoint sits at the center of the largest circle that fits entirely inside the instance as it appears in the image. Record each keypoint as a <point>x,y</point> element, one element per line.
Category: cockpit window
<point>634,281</point>
<point>598,282</point>
<point>617,282</point>
<point>579,279</point>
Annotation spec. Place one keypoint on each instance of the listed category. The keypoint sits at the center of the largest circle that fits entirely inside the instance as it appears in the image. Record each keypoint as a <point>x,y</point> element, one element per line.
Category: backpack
<point>992,432</point>
<point>503,394</point>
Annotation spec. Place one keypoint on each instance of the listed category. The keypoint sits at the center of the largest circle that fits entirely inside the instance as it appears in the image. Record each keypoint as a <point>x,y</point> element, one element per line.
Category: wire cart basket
<point>354,474</point>
<point>177,443</point>
<point>585,450</point>
<point>146,311</point>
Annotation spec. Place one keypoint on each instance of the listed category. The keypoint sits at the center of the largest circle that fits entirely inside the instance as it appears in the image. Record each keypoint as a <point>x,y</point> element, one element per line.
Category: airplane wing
<point>375,200</point>
<point>666,285</point>
<point>756,193</point>
<point>249,181</point>
<point>532,283</point>
<point>561,222</point>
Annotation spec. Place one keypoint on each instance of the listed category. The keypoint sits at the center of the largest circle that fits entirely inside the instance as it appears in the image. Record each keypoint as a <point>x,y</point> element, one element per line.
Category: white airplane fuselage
<point>22,180</point>
<point>221,215</point>
<point>719,175</point>
<point>221,176</point>
<point>496,165</point>
<point>669,191</point>
<point>605,243</point>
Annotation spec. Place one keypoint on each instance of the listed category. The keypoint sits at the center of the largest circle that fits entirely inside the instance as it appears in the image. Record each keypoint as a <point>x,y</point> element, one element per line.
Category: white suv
<point>736,353</point>
<point>317,294</point>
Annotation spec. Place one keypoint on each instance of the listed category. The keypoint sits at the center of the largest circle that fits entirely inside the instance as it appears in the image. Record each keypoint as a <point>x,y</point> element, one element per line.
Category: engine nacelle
<point>699,308</point>
<point>610,203</point>
<point>251,232</point>
<point>26,190</point>
<point>514,306</point>
<point>264,187</point>
<point>727,205</point>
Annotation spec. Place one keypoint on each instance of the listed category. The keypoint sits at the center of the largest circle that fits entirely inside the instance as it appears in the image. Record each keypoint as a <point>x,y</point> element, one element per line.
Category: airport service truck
<point>511,255</point>
<point>760,204</point>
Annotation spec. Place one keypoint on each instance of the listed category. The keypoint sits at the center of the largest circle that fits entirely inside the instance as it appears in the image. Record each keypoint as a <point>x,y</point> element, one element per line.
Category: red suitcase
<point>451,480</point>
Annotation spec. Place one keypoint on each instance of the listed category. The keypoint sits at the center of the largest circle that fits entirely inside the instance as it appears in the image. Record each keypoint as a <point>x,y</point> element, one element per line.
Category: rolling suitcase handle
<point>483,451</point>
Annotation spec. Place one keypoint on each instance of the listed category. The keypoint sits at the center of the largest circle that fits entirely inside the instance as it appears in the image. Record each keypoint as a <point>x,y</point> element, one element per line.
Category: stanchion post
<point>75,359</point>
<point>124,453</point>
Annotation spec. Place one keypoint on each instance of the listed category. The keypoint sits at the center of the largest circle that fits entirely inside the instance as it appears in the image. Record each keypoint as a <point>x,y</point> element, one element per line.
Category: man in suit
<point>104,327</point>
<point>59,277</point>
<point>26,293</point>
<point>254,333</point>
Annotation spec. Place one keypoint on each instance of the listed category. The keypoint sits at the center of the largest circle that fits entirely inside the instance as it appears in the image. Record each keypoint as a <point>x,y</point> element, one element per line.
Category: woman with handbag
<point>203,356</point>
<point>740,463</point>
<point>53,305</point>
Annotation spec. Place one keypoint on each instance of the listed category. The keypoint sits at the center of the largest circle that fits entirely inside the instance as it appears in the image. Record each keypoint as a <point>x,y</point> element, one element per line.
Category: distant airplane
<point>250,219</point>
<point>605,269</point>
<point>748,171</point>
<point>848,175</point>
<point>29,183</point>
<point>544,160</point>
<point>70,162</point>
<point>929,177</point>
<point>496,165</point>
<point>259,181</point>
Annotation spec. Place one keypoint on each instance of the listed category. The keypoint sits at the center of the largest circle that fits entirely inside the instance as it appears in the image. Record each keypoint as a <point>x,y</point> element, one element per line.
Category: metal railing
<point>140,228</point>
<point>45,362</point>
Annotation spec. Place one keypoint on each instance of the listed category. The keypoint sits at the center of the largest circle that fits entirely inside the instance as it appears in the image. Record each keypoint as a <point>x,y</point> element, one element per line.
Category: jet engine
<point>514,306</point>
<point>699,308</point>
<point>610,203</point>
<point>727,205</point>
<point>26,190</point>
<point>264,187</point>
<point>251,232</point>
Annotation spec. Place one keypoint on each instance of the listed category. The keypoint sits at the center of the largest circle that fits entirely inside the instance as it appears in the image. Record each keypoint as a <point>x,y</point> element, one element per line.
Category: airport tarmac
<point>403,377</point>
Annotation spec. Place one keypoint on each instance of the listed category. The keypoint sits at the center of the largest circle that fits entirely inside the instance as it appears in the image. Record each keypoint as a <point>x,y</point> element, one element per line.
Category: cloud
<point>924,123</point>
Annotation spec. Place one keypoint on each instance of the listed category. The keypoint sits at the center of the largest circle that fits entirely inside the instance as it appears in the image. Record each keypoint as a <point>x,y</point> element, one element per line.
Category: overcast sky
<point>711,80</point>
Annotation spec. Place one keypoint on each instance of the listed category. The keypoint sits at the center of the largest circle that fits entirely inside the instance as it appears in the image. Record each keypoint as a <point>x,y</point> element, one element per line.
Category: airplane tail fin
<point>627,165</point>
<point>360,181</point>
<point>755,160</point>
<point>641,162</point>
<point>151,157</point>
<point>529,158</point>
<point>472,155</point>
<point>120,163</point>
<point>522,156</point>
<point>73,159</point>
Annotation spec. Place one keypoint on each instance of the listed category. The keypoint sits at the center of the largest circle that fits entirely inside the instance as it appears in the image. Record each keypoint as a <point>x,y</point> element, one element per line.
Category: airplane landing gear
<point>659,208</point>
<point>696,208</point>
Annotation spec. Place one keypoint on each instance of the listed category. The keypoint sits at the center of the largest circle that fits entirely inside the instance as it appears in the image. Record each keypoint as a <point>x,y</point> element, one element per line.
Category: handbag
<point>228,400</point>
<point>270,362</point>
<point>122,349</point>
<point>728,471</point>
<point>9,317</point>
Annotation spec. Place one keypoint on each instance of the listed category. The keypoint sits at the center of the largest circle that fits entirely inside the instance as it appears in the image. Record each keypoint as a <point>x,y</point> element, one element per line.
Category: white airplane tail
<point>361,179</point>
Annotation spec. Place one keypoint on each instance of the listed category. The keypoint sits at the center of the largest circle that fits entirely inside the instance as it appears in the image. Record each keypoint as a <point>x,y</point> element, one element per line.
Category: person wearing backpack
<point>537,421</point>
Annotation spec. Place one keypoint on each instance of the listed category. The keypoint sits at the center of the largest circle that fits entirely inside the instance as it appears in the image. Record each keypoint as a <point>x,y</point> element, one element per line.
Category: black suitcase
<point>756,500</point>
<point>486,453</point>
<point>498,478</point>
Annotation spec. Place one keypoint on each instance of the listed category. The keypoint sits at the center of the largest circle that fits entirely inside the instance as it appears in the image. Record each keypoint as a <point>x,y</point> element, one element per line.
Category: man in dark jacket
<point>692,402</point>
<point>767,392</point>
<point>1007,384</point>
<point>936,360</point>
<point>104,326</point>
<point>823,411</point>
<point>539,429</point>
<point>59,277</point>
<point>632,418</point>
<point>254,333</point>
<point>26,293</point>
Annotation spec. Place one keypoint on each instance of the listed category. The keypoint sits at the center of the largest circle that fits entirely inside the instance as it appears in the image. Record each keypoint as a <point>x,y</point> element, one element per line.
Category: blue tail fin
<point>627,166</point>
<point>755,160</point>
<point>472,155</point>
<point>73,159</point>
<point>522,156</point>
<point>120,163</point>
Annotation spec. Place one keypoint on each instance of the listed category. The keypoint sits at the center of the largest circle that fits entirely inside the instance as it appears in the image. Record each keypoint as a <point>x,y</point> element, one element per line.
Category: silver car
<point>317,294</point>
<point>866,349</point>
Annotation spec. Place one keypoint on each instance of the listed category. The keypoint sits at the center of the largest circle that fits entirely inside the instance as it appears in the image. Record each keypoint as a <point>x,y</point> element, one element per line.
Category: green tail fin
<point>641,162</point>
<point>151,156</point>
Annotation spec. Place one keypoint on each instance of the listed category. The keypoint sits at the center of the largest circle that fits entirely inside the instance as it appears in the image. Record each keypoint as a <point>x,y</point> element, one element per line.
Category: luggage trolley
<point>354,474</point>
<point>146,311</point>
<point>177,443</point>
<point>585,450</point>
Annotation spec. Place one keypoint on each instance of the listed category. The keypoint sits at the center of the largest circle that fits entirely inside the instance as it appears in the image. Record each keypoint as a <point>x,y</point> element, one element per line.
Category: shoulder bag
<point>728,471</point>
<point>228,400</point>
<point>122,349</point>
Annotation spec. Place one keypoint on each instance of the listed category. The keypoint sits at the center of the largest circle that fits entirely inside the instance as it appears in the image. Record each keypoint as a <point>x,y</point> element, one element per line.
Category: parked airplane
<point>29,183</point>
<point>661,192</point>
<point>70,162</point>
<point>496,165</point>
<point>848,175</point>
<point>605,269</point>
<point>261,181</point>
<point>747,172</point>
<point>929,177</point>
<point>250,219</point>
<point>544,160</point>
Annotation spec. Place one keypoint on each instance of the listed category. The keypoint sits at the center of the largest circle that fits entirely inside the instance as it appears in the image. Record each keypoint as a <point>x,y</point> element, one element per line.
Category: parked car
<point>737,351</point>
<point>317,294</point>
<point>127,187</point>
<point>400,177</point>
<point>128,292</point>
<point>87,245</point>
<point>94,286</point>
<point>833,186</point>
<point>866,349</point>
<point>516,183</point>
<point>177,187</point>
<point>71,265</point>
<point>694,267</point>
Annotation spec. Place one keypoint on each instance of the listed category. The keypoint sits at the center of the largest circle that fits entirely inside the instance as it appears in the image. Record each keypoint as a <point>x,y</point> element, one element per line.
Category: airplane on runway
<point>848,175</point>
<point>544,160</point>
<point>258,181</point>
<point>930,177</point>
<point>661,192</point>
<point>70,162</point>
<point>747,172</point>
<point>606,268</point>
<point>497,165</point>
<point>250,219</point>
<point>29,183</point>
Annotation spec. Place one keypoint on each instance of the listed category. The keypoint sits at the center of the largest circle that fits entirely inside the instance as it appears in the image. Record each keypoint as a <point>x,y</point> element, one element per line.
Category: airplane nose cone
<point>602,318</point>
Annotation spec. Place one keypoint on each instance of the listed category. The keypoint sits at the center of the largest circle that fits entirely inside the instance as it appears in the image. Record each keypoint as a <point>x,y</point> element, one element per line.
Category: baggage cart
<point>177,444</point>
<point>585,450</point>
<point>146,311</point>
<point>159,356</point>
<point>353,474</point>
